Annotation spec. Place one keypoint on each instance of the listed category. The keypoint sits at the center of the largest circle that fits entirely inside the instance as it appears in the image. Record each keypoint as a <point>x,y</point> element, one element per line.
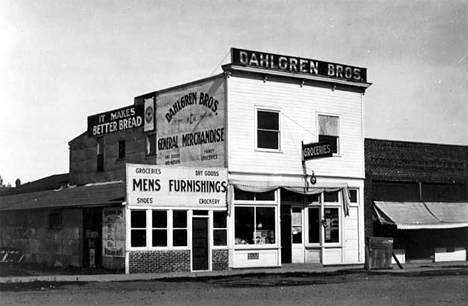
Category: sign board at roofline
<point>116,120</point>
<point>316,150</point>
<point>163,186</point>
<point>298,65</point>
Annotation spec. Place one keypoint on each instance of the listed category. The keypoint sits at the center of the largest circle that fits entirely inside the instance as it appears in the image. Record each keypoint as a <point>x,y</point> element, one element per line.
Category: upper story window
<point>122,149</point>
<point>151,144</point>
<point>329,130</point>
<point>268,130</point>
<point>100,154</point>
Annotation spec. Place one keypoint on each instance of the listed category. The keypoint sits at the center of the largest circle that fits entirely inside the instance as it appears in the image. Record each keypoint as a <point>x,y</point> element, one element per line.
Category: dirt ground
<point>340,288</point>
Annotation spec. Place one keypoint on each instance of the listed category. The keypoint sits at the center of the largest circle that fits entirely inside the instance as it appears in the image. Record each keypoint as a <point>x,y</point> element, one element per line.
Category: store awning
<point>422,215</point>
<point>302,188</point>
<point>99,194</point>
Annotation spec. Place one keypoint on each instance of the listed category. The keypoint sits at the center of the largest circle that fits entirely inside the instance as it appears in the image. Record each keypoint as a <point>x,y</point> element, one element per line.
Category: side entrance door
<point>286,250</point>
<point>200,244</point>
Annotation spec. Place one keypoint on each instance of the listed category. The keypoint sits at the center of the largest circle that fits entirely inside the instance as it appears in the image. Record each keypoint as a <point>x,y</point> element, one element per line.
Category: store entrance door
<point>200,244</point>
<point>286,250</point>
<point>297,235</point>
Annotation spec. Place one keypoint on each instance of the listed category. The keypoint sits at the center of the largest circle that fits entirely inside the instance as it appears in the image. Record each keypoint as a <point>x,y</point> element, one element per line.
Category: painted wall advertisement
<point>163,186</point>
<point>113,232</point>
<point>190,124</point>
<point>116,120</point>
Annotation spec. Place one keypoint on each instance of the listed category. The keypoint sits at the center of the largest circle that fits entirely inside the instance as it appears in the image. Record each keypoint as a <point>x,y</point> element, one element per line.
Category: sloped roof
<point>47,183</point>
<point>99,194</point>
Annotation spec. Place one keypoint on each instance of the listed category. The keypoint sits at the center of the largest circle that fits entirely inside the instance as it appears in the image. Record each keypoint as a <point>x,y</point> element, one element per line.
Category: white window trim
<point>149,230</point>
<point>280,140</point>
<point>321,206</point>
<point>338,154</point>
<point>212,229</point>
<point>256,246</point>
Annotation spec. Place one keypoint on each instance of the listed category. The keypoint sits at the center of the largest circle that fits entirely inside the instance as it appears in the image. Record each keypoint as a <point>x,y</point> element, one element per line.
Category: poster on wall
<point>191,124</point>
<point>113,232</point>
<point>175,186</point>
<point>149,115</point>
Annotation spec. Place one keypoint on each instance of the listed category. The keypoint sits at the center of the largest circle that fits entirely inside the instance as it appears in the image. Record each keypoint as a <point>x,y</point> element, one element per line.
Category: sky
<point>64,60</point>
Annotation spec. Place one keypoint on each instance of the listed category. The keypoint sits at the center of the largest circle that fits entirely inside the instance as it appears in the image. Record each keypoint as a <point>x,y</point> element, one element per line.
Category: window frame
<point>100,145</point>
<point>224,229</point>
<point>149,229</point>
<point>338,141</point>
<point>254,230</point>
<point>321,206</point>
<point>270,110</point>
<point>148,144</point>
<point>121,150</point>
<point>55,220</point>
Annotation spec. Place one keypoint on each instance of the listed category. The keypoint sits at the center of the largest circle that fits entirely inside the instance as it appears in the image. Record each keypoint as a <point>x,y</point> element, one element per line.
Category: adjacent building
<point>416,193</point>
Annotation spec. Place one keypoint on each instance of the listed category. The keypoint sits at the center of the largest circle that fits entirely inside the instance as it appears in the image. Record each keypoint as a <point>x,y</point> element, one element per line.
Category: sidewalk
<point>285,269</point>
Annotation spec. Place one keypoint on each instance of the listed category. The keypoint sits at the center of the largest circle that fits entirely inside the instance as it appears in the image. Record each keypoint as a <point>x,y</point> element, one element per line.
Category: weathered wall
<point>83,156</point>
<point>40,244</point>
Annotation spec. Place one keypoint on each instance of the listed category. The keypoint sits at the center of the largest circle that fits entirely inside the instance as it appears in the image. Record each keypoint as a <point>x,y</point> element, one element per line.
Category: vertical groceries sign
<point>163,186</point>
<point>190,124</point>
<point>299,65</point>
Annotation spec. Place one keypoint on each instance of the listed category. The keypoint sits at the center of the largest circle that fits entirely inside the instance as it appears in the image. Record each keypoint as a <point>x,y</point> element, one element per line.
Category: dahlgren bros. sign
<point>163,186</point>
<point>292,64</point>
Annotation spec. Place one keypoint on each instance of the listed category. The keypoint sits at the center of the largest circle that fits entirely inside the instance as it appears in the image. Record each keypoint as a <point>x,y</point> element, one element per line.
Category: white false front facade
<point>277,216</point>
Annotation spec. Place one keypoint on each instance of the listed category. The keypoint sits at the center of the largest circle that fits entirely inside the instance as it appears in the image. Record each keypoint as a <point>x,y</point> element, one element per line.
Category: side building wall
<point>29,230</point>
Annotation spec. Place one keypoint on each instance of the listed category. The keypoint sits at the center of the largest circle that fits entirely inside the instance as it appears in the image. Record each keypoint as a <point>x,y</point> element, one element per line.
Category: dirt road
<point>441,288</point>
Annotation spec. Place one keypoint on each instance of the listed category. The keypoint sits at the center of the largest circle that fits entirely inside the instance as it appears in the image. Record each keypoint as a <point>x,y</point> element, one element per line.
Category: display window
<point>219,228</point>
<point>155,228</point>
<point>255,222</point>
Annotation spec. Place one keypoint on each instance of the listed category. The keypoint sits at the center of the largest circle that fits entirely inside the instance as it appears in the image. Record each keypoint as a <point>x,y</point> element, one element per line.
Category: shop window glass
<point>331,197</point>
<point>314,225</point>
<point>179,223</point>
<point>159,218</point>
<point>268,132</point>
<point>255,225</point>
<point>296,219</point>
<point>219,228</point>
<point>254,196</point>
<point>331,225</point>
<point>138,228</point>
<point>353,195</point>
<point>244,225</point>
<point>329,128</point>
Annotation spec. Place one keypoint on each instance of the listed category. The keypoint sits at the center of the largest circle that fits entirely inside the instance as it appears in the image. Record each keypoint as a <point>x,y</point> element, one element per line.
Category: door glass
<point>296,225</point>
<point>314,225</point>
<point>331,225</point>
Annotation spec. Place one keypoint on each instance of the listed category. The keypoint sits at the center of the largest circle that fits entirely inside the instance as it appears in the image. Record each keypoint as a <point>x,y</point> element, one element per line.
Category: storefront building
<point>259,166</point>
<point>416,193</point>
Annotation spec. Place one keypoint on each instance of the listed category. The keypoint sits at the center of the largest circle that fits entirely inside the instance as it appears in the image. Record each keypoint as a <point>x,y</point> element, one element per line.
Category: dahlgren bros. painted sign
<point>161,186</point>
<point>299,65</point>
<point>191,124</point>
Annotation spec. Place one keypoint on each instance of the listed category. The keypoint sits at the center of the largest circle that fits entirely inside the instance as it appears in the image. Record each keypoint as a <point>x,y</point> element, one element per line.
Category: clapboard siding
<point>299,107</point>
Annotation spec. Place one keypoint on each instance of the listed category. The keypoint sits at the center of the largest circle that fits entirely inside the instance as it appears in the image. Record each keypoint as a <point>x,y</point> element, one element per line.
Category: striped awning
<point>422,215</point>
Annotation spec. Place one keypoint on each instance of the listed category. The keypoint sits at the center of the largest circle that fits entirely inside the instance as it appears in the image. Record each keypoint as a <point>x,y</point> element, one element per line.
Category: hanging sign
<point>316,150</point>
